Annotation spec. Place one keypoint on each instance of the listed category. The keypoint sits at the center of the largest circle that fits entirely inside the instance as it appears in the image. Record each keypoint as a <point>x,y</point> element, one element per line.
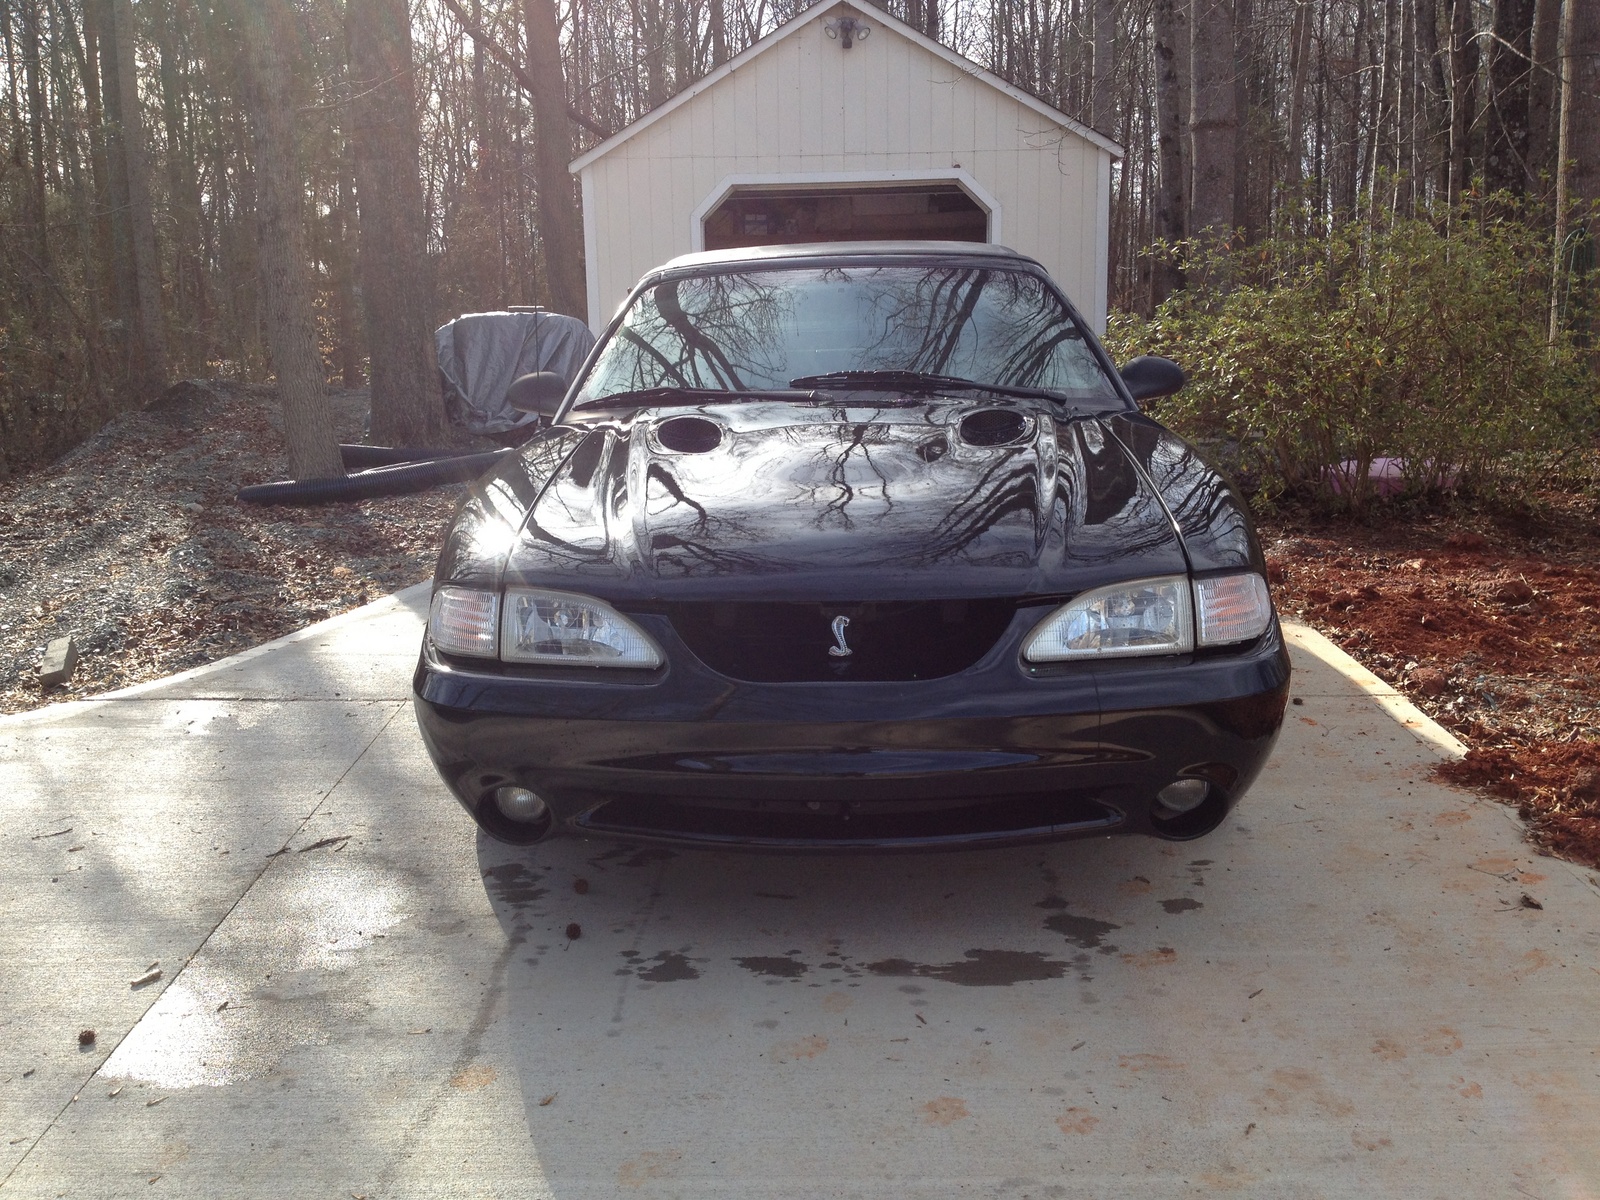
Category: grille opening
<point>762,642</point>
<point>833,822</point>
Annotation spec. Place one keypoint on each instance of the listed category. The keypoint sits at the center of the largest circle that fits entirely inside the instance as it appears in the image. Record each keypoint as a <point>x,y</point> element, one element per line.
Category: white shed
<point>846,124</point>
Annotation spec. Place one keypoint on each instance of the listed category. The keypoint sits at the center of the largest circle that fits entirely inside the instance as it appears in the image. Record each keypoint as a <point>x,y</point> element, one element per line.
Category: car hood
<point>899,500</point>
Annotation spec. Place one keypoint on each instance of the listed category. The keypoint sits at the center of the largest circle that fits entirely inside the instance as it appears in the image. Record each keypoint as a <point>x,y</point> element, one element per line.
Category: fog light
<point>1179,796</point>
<point>520,805</point>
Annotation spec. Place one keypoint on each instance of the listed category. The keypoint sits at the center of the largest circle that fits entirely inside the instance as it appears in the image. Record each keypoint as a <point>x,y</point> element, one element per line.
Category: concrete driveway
<point>1339,993</point>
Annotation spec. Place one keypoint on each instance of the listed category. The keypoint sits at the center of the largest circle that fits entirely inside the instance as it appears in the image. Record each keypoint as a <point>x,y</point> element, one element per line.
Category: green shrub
<point>1424,340</point>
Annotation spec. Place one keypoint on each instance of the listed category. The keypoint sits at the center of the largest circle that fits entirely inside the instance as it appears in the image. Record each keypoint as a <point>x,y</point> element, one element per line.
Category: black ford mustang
<point>851,546</point>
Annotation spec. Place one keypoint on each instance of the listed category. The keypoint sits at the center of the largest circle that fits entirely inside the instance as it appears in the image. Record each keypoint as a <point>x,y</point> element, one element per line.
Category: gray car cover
<point>480,354</point>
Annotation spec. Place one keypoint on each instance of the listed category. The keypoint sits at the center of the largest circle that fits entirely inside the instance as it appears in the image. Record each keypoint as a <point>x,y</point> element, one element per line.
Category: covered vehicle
<point>844,546</point>
<point>482,354</point>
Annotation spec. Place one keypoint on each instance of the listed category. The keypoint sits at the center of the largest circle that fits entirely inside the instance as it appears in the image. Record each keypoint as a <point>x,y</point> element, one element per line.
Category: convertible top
<point>766,255</point>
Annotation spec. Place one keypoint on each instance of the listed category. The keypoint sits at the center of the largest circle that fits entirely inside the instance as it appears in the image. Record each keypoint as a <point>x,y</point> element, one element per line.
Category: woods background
<point>303,187</point>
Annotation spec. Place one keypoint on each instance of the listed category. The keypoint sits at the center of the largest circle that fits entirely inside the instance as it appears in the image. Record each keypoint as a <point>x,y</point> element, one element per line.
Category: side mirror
<point>540,393</point>
<point>1148,377</point>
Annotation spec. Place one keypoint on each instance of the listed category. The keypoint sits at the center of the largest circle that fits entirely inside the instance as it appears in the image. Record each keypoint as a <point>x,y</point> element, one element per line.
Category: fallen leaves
<point>174,572</point>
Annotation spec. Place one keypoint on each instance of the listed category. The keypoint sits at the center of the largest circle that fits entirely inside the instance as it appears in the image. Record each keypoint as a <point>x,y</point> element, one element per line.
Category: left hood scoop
<point>689,435</point>
<point>995,427</point>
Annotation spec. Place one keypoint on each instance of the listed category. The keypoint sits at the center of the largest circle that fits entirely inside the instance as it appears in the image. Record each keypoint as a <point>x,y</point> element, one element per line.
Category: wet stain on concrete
<point>1051,901</point>
<point>1182,904</point>
<point>1083,932</point>
<point>670,968</point>
<point>513,883</point>
<point>782,968</point>
<point>981,968</point>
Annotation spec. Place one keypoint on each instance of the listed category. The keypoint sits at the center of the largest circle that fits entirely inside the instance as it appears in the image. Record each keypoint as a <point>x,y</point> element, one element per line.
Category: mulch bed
<point>1490,622</point>
<point>133,544</point>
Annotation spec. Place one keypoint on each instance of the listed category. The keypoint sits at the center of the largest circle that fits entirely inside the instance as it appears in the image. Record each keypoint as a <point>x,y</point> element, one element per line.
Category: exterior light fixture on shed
<point>846,28</point>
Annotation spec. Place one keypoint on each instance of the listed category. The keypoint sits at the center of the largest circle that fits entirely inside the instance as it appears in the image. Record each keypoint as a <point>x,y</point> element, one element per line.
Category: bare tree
<point>137,268</point>
<point>395,284</point>
<point>1213,119</point>
<point>1505,162</point>
<point>560,224</point>
<point>268,32</point>
<point>1170,19</point>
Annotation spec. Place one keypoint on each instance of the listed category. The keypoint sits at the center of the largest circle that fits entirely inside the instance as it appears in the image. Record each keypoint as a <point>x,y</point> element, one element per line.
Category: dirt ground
<point>134,545</point>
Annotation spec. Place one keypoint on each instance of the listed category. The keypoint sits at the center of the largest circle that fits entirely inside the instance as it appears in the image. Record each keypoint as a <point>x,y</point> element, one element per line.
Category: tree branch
<point>508,60</point>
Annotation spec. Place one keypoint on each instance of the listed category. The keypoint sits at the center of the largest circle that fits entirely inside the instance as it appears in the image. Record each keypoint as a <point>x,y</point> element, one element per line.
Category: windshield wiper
<point>917,381</point>
<point>645,397</point>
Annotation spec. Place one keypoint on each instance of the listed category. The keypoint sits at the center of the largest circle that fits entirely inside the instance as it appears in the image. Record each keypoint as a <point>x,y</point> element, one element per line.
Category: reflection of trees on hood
<point>834,466</point>
<point>1106,511</point>
<point>1009,485</point>
<point>1197,496</point>
<point>856,438</point>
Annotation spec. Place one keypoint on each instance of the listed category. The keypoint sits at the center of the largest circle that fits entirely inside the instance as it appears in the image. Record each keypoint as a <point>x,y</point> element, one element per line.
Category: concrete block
<point>60,657</point>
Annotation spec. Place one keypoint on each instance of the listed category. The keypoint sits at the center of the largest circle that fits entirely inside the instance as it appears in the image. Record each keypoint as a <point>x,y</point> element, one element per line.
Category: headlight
<point>462,621</point>
<point>558,627</point>
<point>1154,616</point>
<point>1147,616</point>
<point>1232,608</point>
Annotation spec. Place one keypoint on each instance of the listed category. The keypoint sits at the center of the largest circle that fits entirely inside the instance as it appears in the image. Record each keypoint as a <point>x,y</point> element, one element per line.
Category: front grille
<point>840,824</point>
<point>795,643</point>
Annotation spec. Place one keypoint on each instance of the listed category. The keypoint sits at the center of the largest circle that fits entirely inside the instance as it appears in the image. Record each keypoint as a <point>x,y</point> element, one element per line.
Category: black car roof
<point>758,256</point>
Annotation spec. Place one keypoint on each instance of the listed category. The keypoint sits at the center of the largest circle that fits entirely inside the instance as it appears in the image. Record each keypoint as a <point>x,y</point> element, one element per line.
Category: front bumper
<point>996,754</point>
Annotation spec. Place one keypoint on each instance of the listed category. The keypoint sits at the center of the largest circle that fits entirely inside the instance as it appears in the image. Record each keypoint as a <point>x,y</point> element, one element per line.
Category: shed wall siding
<point>808,106</point>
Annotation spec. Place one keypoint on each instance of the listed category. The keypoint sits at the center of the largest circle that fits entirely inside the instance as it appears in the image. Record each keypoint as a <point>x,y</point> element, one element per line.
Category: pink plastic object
<point>1387,476</point>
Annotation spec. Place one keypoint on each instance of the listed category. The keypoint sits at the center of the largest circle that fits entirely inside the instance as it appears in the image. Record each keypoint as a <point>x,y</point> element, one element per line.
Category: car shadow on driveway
<point>716,1017</point>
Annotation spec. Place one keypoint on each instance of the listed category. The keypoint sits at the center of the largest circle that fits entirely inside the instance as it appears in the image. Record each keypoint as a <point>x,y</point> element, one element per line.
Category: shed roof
<point>965,65</point>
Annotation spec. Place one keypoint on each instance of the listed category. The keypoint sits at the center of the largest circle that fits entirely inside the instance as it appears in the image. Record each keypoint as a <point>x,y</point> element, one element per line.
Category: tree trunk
<point>1463,94</point>
<point>1543,93</point>
<point>1437,89</point>
<point>1382,123</point>
<point>1171,102</point>
<point>34,208</point>
<point>183,180</point>
<point>1101,115</point>
<point>1578,159</point>
<point>406,406</point>
<point>560,224</point>
<point>719,32</point>
<point>1299,68</point>
<point>348,324</point>
<point>1505,160</point>
<point>137,266</point>
<point>268,33</point>
<point>1213,120</point>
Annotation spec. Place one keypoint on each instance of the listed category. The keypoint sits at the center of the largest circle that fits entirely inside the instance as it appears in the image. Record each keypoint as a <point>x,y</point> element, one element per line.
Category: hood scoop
<point>995,427</point>
<point>689,435</point>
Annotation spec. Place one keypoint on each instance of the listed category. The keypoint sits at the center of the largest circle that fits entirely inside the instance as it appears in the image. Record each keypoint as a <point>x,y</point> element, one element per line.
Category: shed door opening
<point>781,216</point>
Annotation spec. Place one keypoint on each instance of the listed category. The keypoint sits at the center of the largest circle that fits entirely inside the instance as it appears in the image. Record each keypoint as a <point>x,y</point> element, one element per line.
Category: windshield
<point>761,329</point>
